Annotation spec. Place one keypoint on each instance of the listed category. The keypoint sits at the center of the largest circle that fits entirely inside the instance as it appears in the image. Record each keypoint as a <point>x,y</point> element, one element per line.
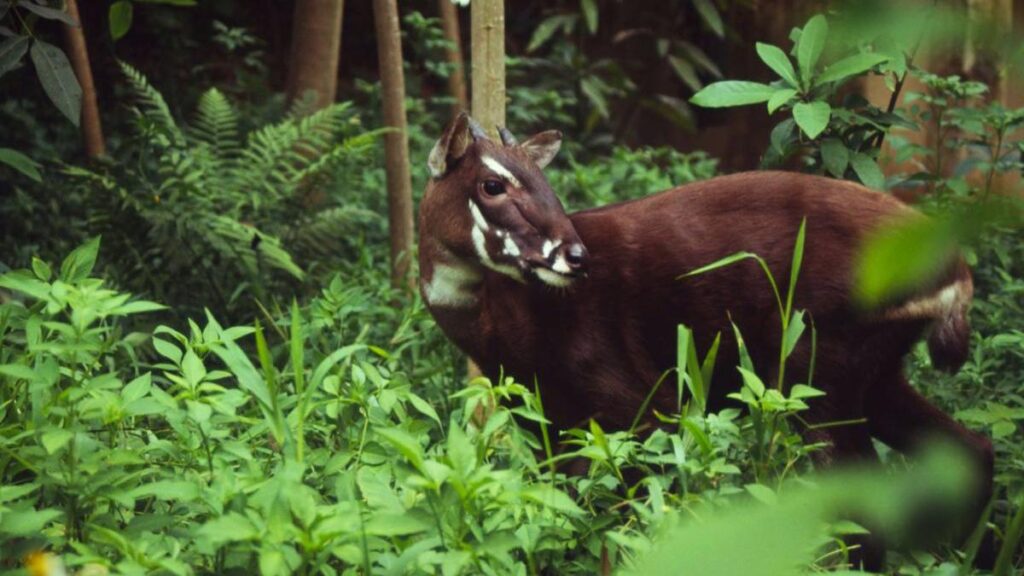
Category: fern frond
<point>273,161</point>
<point>152,105</point>
<point>216,126</point>
<point>249,248</point>
<point>326,233</point>
<point>359,144</point>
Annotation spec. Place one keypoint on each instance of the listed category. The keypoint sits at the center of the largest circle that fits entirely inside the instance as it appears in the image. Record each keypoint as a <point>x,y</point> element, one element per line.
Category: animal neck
<point>448,280</point>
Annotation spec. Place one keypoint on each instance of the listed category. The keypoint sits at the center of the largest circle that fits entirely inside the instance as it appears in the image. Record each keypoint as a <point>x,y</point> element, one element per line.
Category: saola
<point>588,303</point>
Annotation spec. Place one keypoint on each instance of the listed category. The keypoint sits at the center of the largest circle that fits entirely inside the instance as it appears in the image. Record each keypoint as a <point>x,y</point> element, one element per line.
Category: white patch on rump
<point>451,286</point>
<point>938,305</point>
<point>500,170</point>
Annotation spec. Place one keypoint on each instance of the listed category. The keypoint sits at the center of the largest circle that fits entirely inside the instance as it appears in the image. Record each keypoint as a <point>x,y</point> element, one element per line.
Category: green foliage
<point>219,209</point>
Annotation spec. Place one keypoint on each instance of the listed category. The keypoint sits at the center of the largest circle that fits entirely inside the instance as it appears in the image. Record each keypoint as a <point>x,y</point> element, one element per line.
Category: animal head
<point>489,201</point>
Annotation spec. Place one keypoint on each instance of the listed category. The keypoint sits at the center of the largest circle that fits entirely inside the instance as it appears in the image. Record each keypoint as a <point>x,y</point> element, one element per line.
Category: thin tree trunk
<point>396,144</point>
<point>78,53</point>
<point>457,77</point>
<point>316,50</point>
<point>488,45</point>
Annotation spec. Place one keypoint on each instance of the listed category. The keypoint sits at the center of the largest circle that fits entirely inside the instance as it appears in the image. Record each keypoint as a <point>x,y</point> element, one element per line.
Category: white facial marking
<point>500,170</point>
<point>561,265</point>
<point>939,305</point>
<point>549,246</point>
<point>552,279</point>
<point>451,286</point>
<point>478,218</point>
<point>510,248</point>
<point>480,244</point>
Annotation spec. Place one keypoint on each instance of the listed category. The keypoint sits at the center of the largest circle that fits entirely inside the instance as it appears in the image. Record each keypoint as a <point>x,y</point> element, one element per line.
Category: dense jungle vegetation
<point>206,368</point>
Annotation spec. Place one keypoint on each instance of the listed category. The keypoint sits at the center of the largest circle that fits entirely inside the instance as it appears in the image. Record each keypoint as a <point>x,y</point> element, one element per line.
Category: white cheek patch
<point>549,246</point>
<point>451,286</point>
<point>478,218</point>
<point>480,244</point>
<point>510,248</point>
<point>500,170</point>
<point>552,279</point>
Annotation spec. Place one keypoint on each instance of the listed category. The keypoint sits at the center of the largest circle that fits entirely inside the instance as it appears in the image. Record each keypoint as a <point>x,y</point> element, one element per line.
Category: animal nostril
<point>575,256</point>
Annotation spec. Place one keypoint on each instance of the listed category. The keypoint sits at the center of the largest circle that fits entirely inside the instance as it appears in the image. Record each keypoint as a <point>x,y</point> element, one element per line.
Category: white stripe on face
<point>478,218</point>
<point>561,265</point>
<point>480,244</point>
<point>500,170</point>
<point>552,279</point>
<point>549,246</point>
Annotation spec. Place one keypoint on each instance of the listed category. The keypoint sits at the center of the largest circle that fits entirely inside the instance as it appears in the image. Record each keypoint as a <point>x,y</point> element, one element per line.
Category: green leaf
<point>553,498</point>
<point>47,13</point>
<point>589,8</point>
<point>21,163</point>
<point>27,522</point>
<point>55,439</point>
<point>850,66</point>
<point>41,269</point>
<point>835,156</point>
<point>732,93</point>
<point>762,493</point>
<point>812,42</point>
<point>794,330</point>
<point>78,265</point>
<point>231,527</point>
<point>752,381</point>
<point>11,52</point>
<point>166,490</point>
<point>801,391</point>
<point>812,117</point>
<point>406,444</point>
<point>58,79</point>
<point>780,98</point>
<point>395,524</point>
<point>684,70</point>
<point>731,259</point>
<point>867,171</point>
<point>779,62</point>
<point>709,13</point>
<point>26,284</point>
<point>547,28</point>
<point>120,17</point>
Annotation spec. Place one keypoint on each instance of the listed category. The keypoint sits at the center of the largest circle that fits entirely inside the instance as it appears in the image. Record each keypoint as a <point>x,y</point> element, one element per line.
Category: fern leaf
<point>216,126</point>
<point>152,104</point>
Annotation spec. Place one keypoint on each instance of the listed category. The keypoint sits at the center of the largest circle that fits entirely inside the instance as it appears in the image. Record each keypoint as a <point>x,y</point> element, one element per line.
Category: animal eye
<point>494,187</point>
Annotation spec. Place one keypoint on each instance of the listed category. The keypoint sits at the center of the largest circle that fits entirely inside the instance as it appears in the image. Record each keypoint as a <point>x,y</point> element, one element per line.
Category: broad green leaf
<point>395,524</point>
<point>794,331</point>
<point>762,493</point>
<point>21,163</point>
<point>835,156</point>
<point>137,307</point>
<point>78,265</point>
<point>812,117</point>
<point>120,17</point>
<point>684,70</point>
<point>58,79</point>
<point>47,12</point>
<point>423,407</point>
<point>589,8</point>
<point>11,52</point>
<point>27,522</point>
<point>709,13</point>
<point>55,439</point>
<point>850,66</point>
<point>779,62</point>
<point>752,381</point>
<point>812,42</point>
<point>406,445</point>
<point>801,391</point>
<point>41,269</point>
<point>231,527</point>
<point>732,93</point>
<point>553,498</point>
<point>867,171</point>
<point>182,490</point>
<point>780,98</point>
<point>26,284</point>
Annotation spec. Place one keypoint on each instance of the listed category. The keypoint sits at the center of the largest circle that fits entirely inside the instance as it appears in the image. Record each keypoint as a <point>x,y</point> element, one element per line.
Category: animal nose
<point>576,258</point>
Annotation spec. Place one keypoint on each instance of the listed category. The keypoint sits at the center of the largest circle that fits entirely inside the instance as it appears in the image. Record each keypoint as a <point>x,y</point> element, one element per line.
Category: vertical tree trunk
<point>78,53</point>
<point>488,45</point>
<point>396,144</point>
<point>316,50</point>
<point>457,78</point>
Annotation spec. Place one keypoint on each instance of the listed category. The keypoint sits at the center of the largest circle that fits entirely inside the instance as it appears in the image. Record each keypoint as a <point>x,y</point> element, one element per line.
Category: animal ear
<point>451,146</point>
<point>542,147</point>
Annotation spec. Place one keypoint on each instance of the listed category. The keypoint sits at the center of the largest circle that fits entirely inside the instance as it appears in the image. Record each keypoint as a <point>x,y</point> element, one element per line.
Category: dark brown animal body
<point>596,345</point>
